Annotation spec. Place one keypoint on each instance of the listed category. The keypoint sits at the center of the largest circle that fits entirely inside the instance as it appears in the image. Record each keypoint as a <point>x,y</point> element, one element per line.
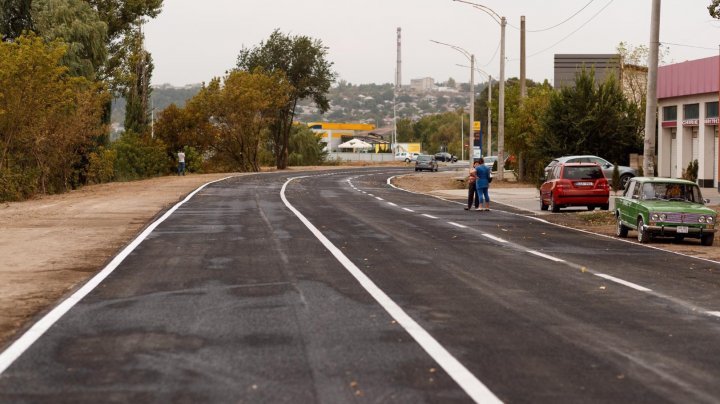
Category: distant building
<point>568,65</point>
<point>334,133</point>
<point>688,119</point>
<point>423,84</point>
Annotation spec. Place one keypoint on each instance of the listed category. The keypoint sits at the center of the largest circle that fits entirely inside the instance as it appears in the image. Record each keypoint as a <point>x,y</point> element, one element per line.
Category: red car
<point>575,184</point>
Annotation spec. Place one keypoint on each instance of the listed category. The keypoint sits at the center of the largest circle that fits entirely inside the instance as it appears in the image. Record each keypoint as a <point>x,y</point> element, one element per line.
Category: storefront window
<point>711,109</point>
<point>670,113</point>
<point>691,111</point>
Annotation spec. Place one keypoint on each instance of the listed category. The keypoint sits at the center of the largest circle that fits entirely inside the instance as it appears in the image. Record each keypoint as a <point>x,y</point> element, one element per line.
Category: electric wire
<point>493,56</point>
<point>556,25</point>
<point>687,46</point>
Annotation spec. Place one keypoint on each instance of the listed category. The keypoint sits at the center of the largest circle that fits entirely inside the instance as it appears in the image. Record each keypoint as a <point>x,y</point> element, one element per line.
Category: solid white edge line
<point>491,237</point>
<point>466,380</point>
<point>458,225</point>
<point>550,257</point>
<point>17,348</point>
<point>625,283</point>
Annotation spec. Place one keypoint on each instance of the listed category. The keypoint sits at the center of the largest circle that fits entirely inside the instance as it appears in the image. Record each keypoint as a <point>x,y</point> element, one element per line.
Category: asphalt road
<point>336,287</point>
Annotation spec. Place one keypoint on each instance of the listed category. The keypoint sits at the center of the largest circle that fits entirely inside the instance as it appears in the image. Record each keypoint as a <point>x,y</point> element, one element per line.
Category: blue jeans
<point>181,168</point>
<point>483,193</point>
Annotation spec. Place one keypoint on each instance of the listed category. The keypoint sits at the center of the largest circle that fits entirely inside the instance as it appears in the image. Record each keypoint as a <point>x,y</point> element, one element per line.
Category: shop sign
<point>669,124</point>
<point>711,121</point>
<point>691,122</point>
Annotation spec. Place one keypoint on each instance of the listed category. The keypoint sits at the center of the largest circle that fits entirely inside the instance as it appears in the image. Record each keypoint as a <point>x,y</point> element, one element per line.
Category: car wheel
<point>553,205</point>
<point>620,229</point>
<point>407,160</point>
<point>624,180</point>
<point>542,204</point>
<point>707,239</point>
<point>605,206</point>
<point>643,234</point>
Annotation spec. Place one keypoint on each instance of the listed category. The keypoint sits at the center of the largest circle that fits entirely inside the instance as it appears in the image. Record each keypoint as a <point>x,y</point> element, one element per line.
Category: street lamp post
<point>489,111</point>
<point>471,58</point>
<point>501,95</point>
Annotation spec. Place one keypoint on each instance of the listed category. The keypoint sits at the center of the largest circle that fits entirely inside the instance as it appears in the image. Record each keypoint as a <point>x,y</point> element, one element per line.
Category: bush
<point>139,157</point>
<point>101,165</point>
<point>615,183</point>
<point>691,172</point>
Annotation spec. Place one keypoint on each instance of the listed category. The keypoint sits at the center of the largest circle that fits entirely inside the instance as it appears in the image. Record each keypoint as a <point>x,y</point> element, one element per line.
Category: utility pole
<point>523,90</point>
<point>501,109</point>
<point>489,120</point>
<point>472,109</point>
<point>651,100</point>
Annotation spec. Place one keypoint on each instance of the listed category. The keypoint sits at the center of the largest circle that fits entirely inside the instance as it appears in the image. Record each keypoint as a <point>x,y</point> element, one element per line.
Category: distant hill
<point>162,96</point>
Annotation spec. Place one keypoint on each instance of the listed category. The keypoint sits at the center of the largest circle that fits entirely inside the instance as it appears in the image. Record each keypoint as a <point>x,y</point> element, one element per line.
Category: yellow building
<point>335,133</point>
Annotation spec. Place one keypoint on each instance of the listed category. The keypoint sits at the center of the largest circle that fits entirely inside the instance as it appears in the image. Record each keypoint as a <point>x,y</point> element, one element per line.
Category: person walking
<point>482,183</point>
<point>472,190</point>
<point>181,163</point>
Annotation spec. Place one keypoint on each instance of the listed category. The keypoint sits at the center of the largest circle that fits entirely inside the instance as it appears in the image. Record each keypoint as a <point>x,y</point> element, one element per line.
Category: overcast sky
<point>193,41</point>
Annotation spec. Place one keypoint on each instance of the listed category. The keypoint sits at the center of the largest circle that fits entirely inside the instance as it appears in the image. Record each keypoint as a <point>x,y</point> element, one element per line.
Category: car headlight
<point>663,217</point>
<point>654,217</point>
<point>710,219</point>
<point>701,219</point>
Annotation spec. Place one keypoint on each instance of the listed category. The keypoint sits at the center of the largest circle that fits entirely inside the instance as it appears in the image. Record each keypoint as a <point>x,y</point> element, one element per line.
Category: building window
<point>711,109</point>
<point>670,113</point>
<point>691,111</point>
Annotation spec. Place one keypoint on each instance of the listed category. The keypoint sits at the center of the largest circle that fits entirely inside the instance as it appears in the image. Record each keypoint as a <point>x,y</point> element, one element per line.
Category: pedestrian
<point>482,183</point>
<point>472,190</point>
<point>181,163</point>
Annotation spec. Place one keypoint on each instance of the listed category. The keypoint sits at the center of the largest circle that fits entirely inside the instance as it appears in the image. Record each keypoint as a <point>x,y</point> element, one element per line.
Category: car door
<point>633,208</point>
<point>623,202</point>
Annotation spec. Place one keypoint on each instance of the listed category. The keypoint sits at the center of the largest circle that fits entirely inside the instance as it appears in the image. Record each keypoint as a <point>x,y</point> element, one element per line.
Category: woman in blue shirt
<point>482,183</point>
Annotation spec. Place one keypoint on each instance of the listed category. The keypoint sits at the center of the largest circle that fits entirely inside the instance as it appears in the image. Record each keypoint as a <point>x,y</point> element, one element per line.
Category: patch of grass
<point>597,218</point>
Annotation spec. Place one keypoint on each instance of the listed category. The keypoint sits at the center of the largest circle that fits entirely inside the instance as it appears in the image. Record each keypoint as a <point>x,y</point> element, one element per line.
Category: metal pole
<point>489,124</point>
<point>651,100</point>
<point>471,136</point>
<point>523,89</point>
<point>462,136</point>
<point>501,109</point>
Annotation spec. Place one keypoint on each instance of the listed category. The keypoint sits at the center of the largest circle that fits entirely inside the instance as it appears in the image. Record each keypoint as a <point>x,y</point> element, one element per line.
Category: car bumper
<point>673,230</point>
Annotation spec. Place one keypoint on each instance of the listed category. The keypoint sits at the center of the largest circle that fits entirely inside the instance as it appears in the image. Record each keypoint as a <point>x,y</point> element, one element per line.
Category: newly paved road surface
<point>336,287</point>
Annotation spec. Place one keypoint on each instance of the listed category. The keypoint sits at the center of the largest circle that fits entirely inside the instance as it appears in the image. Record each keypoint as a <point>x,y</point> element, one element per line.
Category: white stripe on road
<point>458,225</point>
<point>714,313</point>
<point>30,336</point>
<point>550,257</point>
<point>491,237</point>
<point>623,282</point>
<point>392,204</point>
<point>409,210</point>
<point>428,216</point>
<point>466,380</point>
<point>379,198</point>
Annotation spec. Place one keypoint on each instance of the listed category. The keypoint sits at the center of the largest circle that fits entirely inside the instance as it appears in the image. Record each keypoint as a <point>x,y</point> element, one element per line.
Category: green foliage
<point>139,157</point>
<point>304,63</point>
<point>101,166</point>
<point>714,9</point>
<point>15,18</point>
<point>193,160</point>
<point>615,182</point>
<point>591,119</point>
<point>691,172</point>
<point>438,132</point>
<point>495,165</point>
<point>306,148</point>
<point>136,79</point>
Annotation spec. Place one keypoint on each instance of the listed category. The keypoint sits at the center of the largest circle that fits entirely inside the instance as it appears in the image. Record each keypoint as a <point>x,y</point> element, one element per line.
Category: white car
<point>489,161</point>
<point>406,157</point>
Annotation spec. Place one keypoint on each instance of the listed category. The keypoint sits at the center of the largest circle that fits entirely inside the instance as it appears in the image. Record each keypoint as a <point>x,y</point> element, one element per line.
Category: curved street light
<point>489,111</point>
<point>501,94</point>
<point>471,58</point>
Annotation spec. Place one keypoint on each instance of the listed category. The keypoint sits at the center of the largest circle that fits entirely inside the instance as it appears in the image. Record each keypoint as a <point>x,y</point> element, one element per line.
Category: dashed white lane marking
<point>408,210</point>
<point>491,237</point>
<point>624,282</point>
<point>429,216</point>
<point>550,257</point>
<point>379,198</point>
<point>392,204</point>
<point>30,336</point>
<point>458,225</point>
<point>462,376</point>
<point>714,313</point>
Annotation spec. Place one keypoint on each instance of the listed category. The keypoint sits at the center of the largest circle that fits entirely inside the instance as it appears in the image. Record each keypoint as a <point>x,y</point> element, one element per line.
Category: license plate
<point>682,229</point>
<point>583,184</point>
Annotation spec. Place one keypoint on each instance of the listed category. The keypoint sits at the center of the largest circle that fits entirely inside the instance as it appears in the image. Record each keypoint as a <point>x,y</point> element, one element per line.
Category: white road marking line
<point>491,237</point>
<point>428,216</point>
<point>379,198</point>
<point>371,195</point>
<point>409,210</point>
<point>550,257</point>
<point>458,225</point>
<point>714,313</point>
<point>392,204</point>
<point>462,376</point>
<point>30,336</point>
<point>625,283</point>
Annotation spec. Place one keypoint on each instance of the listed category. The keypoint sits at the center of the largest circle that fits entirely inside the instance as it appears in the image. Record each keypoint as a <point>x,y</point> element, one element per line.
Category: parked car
<point>405,156</point>
<point>575,184</point>
<point>664,207</point>
<point>489,161</point>
<point>625,172</point>
<point>426,162</point>
<point>447,157</point>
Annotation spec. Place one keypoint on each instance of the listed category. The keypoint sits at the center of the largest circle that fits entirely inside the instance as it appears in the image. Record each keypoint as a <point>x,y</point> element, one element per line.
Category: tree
<point>591,119</point>
<point>525,130</point>
<point>303,61</point>
<point>15,18</point>
<point>306,147</point>
<point>137,84</point>
<point>714,8</point>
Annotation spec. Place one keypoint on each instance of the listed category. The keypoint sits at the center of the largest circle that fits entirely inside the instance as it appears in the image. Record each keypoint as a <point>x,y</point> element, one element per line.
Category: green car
<point>664,207</point>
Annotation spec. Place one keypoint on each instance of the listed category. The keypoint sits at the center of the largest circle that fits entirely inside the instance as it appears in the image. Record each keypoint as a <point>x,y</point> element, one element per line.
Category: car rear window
<point>582,173</point>
<point>424,158</point>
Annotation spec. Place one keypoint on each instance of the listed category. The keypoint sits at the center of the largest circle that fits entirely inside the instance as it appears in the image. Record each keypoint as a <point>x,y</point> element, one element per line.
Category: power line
<point>558,24</point>
<point>493,56</point>
<point>687,46</point>
<point>573,32</point>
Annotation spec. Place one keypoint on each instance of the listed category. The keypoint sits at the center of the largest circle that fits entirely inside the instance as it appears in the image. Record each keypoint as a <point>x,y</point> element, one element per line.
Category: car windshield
<point>582,173</point>
<point>424,158</point>
<point>671,192</point>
